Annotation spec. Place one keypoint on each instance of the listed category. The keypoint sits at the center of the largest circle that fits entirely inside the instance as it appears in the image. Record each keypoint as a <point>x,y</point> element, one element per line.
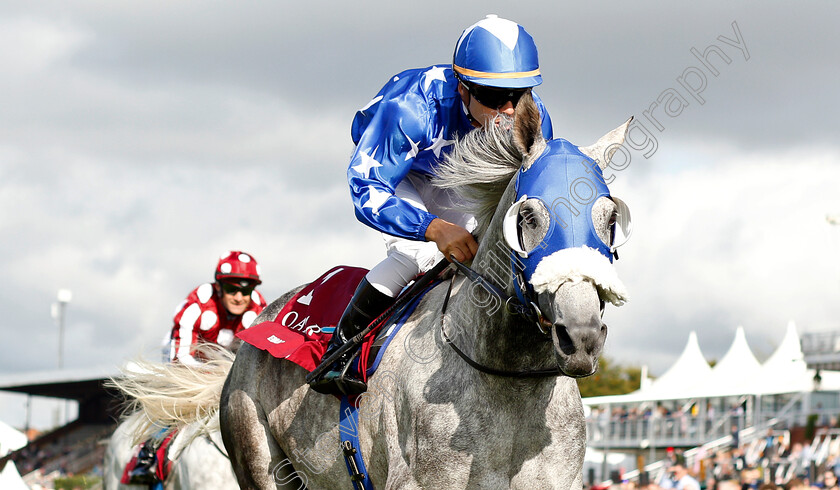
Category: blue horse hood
<point>568,183</point>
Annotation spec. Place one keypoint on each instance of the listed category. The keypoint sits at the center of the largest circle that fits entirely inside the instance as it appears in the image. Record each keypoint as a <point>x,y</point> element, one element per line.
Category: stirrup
<point>143,472</point>
<point>340,381</point>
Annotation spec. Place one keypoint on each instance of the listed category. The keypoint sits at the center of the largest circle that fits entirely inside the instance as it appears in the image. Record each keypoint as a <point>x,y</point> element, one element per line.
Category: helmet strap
<point>472,120</point>
<point>466,106</point>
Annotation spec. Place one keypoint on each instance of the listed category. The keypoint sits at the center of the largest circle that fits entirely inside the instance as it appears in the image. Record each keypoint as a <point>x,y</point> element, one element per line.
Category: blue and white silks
<point>409,126</point>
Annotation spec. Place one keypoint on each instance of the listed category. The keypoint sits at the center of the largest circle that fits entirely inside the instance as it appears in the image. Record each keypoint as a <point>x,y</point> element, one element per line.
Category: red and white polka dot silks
<point>238,265</point>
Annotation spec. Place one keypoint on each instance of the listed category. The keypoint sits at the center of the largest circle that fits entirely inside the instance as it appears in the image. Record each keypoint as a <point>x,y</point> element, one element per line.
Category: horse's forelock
<point>480,167</point>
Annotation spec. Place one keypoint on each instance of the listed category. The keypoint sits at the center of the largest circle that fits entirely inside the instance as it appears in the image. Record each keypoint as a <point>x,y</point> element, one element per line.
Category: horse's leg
<point>257,459</point>
<point>578,483</point>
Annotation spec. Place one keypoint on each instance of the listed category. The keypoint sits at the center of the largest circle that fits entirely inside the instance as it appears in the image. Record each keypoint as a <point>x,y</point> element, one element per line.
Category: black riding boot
<point>367,303</point>
<point>144,469</point>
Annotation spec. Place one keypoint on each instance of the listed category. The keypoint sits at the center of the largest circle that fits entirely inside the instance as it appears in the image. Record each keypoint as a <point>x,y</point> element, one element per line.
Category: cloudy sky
<point>139,140</point>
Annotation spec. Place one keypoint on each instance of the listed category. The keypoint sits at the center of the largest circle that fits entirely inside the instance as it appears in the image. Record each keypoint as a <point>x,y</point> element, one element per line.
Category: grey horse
<point>477,396</point>
<point>200,463</point>
<point>177,397</point>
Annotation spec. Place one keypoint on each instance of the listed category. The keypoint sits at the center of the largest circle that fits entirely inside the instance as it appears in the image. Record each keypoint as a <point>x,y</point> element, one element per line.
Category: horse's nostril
<point>564,340</point>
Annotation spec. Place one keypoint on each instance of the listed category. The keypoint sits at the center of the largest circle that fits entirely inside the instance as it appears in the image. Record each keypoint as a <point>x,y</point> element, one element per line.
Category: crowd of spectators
<point>768,463</point>
<point>78,450</point>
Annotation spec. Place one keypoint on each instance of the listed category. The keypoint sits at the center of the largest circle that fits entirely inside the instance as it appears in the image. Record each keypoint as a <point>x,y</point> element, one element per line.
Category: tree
<point>610,379</point>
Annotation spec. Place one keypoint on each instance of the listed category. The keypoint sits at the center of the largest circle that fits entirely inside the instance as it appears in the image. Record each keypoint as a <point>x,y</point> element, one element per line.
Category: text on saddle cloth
<point>301,331</point>
<point>303,327</point>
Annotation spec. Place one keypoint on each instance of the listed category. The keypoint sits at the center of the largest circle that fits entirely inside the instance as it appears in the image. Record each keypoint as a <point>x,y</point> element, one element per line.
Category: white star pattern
<point>369,104</point>
<point>434,73</point>
<point>376,199</point>
<point>367,163</point>
<point>504,30</point>
<point>414,148</point>
<point>438,143</point>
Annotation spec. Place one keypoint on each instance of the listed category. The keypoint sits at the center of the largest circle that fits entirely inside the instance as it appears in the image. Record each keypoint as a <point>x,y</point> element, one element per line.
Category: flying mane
<point>174,395</point>
<point>482,163</point>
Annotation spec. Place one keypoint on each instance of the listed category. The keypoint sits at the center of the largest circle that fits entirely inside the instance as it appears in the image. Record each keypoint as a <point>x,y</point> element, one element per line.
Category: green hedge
<point>78,481</point>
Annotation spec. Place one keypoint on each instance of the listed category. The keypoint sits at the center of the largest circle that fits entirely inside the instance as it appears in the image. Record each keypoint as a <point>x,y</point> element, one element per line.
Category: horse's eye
<point>526,225</point>
<point>611,227</point>
<point>528,219</point>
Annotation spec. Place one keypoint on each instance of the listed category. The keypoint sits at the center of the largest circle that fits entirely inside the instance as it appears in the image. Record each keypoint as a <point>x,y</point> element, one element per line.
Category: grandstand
<point>77,447</point>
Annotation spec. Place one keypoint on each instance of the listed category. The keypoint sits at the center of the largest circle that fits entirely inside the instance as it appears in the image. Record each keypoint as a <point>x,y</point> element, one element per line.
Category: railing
<point>821,350</point>
<point>820,343</point>
<point>633,431</point>
<point>677,430</point>
<point>751,439</point>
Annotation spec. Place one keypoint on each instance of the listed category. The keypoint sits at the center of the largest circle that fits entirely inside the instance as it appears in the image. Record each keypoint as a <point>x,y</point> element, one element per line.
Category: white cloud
<point>742,239</point>
<point>140,140</point>
<point>29,45</point>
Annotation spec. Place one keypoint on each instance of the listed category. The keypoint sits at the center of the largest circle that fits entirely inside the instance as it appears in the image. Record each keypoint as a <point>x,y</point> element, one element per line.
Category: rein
<point>225,454</point>
<point>513,305</point>
<point>207,436</point>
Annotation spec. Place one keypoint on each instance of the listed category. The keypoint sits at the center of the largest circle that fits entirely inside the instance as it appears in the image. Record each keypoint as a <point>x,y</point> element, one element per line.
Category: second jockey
<point>216,312</point>
<point>401,136</point>
<point>212,313</point>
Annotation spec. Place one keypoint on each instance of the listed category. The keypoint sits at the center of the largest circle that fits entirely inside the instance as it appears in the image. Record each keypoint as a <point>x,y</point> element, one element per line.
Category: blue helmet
<point>497,52</point>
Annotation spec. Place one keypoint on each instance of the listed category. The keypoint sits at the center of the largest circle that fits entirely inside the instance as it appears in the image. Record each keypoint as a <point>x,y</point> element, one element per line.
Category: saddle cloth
<point>302,329</point>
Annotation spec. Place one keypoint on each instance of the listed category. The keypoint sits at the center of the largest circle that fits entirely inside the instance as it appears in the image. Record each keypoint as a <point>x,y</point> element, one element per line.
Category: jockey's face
<point>235,299</point>
<point>481,113</point>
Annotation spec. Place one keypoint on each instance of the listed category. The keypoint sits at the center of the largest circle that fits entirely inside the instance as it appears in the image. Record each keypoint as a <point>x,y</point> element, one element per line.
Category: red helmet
<point>238,265</point>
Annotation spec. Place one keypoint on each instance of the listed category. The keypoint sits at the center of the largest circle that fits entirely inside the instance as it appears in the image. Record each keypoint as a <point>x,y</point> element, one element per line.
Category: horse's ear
<point>527,123</point>
<point>603,149</point>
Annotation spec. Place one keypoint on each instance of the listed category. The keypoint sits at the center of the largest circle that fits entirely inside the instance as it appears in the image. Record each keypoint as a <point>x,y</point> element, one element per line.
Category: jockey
<point>212,313</point>
<point>401,135</point>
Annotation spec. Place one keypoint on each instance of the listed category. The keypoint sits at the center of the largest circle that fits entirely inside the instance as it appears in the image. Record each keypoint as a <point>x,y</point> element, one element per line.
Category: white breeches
<point>408,258</point>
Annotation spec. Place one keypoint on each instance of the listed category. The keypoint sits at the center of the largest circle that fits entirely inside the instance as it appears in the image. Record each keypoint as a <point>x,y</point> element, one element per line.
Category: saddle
<point>302,329</point>
<point>149,464</point>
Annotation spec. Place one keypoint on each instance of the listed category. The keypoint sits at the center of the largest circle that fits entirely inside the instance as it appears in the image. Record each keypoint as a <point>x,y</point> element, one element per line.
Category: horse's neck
<point>486,330</point>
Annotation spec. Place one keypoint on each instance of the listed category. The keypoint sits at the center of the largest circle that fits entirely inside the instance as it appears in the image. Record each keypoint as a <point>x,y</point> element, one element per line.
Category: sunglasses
<point>494,97</point>
<point>232,289</point>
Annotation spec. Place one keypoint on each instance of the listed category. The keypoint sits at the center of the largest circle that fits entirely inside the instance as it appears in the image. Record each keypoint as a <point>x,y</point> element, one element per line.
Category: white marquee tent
<point>11,440</point>
<point>737,373</point>
<point>680,380</point>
